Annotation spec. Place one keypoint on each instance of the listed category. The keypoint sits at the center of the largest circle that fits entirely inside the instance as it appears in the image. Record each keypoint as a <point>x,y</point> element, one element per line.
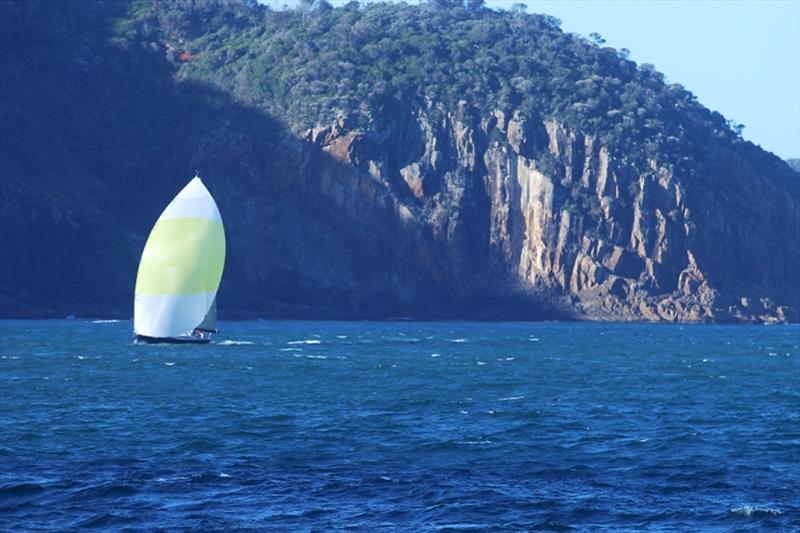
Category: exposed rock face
<point>508,205</point>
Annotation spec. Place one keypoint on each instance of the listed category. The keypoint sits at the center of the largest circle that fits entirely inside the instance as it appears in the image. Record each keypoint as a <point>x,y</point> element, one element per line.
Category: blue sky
<point>740,57</point>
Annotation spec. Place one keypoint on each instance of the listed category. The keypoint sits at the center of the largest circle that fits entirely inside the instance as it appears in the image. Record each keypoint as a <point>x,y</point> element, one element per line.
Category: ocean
<point>306,425</point>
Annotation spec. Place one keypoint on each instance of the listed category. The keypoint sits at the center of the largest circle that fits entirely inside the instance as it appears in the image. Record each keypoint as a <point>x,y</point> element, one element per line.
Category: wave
<point>106,490</point>
<point>104,520</point>
<point>401,338</point>
<point>21,490</point>
<point>511,398</point>
<point>552,526</point>
<point>171,479</point>
<point>228,342</point>
<point>749,510</point>
<point>462,526</point>
<point>306,341</point>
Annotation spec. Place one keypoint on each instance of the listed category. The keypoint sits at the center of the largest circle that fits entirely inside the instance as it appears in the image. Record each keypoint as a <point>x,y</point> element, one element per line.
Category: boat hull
<point>144,339</point>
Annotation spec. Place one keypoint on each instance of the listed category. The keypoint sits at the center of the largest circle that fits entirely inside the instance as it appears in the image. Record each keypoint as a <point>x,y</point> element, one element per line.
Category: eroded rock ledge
<point>505,204</point>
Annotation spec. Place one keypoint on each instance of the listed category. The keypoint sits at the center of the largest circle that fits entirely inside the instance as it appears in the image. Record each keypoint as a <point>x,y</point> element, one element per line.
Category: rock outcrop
<point>512,205</point>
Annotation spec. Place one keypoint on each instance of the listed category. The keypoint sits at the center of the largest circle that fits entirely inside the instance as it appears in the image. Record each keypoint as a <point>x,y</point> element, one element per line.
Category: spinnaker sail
<point>181,267</point>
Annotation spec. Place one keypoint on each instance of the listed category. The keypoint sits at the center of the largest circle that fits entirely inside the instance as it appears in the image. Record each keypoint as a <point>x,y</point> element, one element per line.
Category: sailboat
<point>180,271</point>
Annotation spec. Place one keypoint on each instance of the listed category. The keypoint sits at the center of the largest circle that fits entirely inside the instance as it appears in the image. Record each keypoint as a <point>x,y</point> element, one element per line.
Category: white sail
<point>209,323</point>
<point>181,265</point>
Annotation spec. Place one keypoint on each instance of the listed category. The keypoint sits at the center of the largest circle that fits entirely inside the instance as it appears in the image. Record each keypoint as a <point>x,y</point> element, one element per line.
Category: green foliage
<point>310,64</point>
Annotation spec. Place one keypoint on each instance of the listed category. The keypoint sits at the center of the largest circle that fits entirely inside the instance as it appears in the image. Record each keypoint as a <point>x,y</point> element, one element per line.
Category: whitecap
<point>509,358</point>
<point>105,321</point>
<point>169,363</point>
<point>511,398</point>
<point>400,338</point>
<point>473,442</point>
<point>385,478</point>
<point>171,478</point>
<point>436,355</point>
<point>457,340</point>
<point>463,412</point>
<point>341,336</point>
<point>223,474</point>
<point>316,357</point>
<point>749,510</point>
<point>306,341</point>
<point>228,342</point>
<point>773,353</point>
<point>708,360</point>
<point>291,349</point>
<point>480,363</point>
<point>81,357</point>
<point>534,339</point>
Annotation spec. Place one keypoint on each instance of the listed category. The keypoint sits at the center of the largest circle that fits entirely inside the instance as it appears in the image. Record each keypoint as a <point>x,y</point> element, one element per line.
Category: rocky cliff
<point>406,203</point>
<point>507,205</point>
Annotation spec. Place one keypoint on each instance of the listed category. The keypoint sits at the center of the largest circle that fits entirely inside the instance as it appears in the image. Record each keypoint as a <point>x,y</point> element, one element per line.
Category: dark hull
<point>144,339</point>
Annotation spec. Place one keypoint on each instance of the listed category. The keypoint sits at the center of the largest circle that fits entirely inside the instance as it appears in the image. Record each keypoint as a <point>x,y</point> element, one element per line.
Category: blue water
<point>401,425</point>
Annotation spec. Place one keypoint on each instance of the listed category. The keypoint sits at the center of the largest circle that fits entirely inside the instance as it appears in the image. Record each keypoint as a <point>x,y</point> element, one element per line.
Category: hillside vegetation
<point>308,65</point>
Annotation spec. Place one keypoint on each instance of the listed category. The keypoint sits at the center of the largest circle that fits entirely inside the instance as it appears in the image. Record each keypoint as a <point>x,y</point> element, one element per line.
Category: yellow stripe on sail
<point>182,256</point>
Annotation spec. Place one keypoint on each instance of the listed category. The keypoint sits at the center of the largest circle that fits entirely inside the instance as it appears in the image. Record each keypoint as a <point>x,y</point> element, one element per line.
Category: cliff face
<point>417,206</point>
<point>511,206</point>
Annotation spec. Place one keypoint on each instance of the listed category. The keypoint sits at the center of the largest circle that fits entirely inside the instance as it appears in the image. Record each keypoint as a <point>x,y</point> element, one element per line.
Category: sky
<point>739,57</point>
